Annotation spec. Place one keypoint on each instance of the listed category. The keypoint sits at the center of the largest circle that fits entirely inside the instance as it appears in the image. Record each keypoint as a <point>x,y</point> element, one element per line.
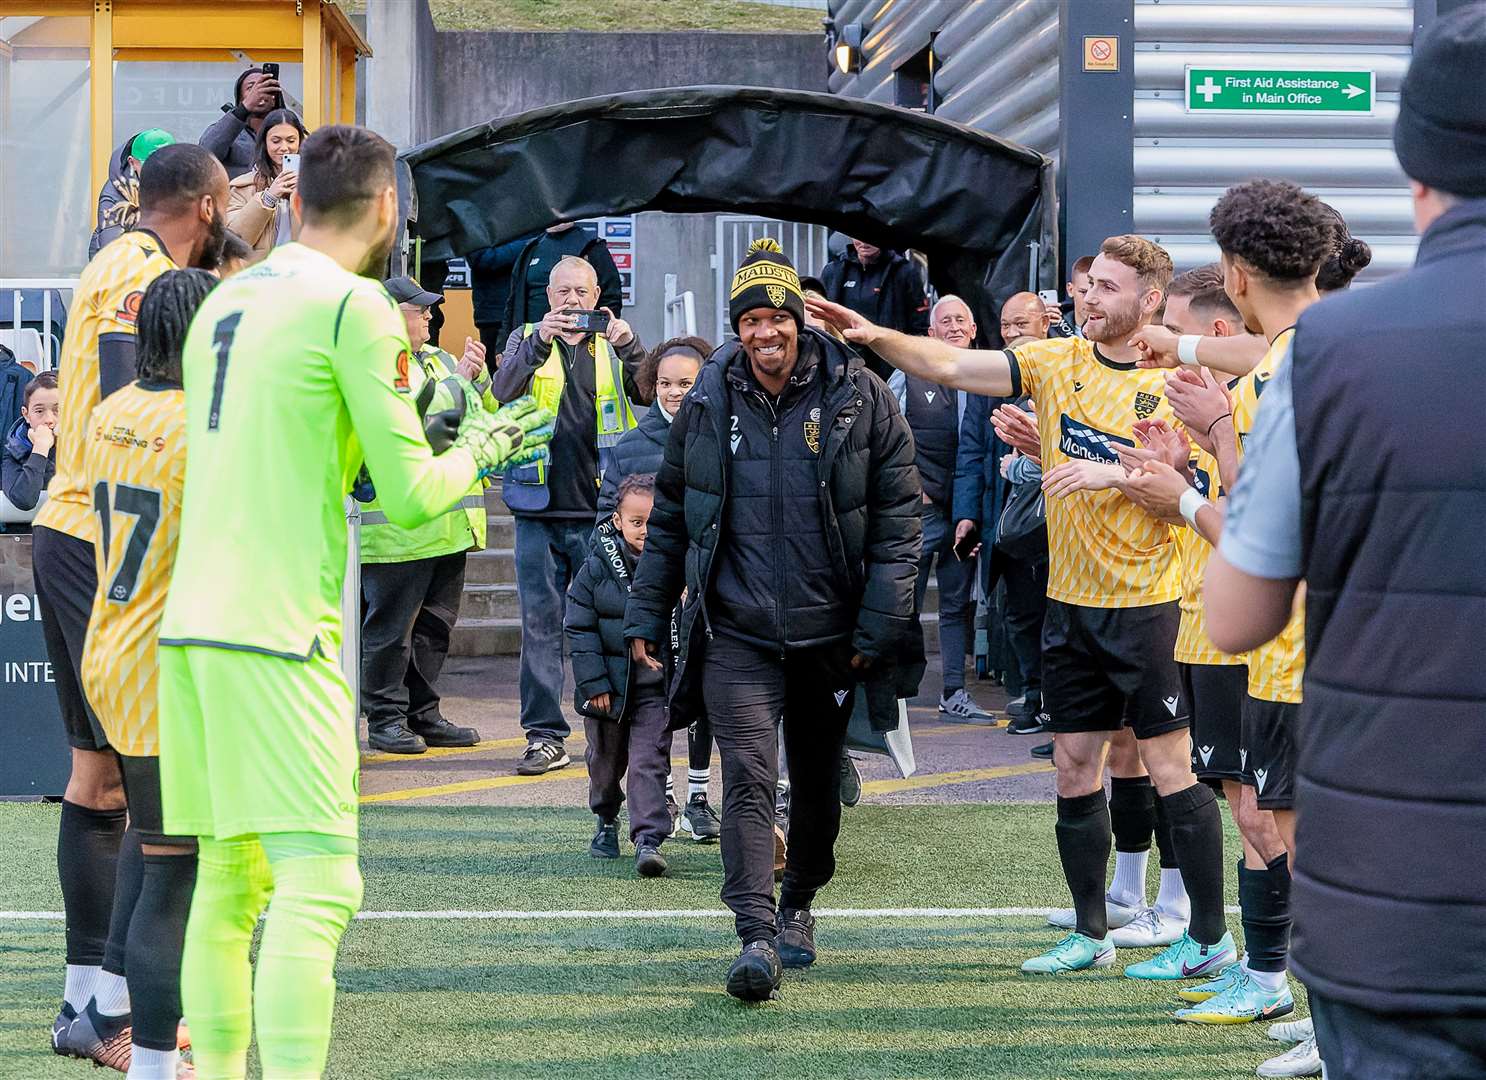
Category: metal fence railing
<point>33,315</point>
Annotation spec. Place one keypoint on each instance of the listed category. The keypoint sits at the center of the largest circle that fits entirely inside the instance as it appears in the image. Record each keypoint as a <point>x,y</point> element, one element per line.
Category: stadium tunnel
<point>972,203</point>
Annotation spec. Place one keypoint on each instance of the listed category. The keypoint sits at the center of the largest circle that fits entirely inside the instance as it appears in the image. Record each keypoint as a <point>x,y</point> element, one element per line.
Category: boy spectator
<point>30,456</point>
<point>622,700</point>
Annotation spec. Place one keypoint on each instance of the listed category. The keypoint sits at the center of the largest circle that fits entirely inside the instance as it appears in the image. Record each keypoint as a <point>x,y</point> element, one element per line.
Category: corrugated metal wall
<point>998,60</point>
<point>1183,161</point>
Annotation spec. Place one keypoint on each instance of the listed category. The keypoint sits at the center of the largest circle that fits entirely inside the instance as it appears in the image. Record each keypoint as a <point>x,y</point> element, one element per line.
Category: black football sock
<point>1197,839</point>
<point>1264,900</point>
<point>1132,812</point>
<point>1163,838</point>
<point>1083,848</point>
<point>157,934</point>
<point>87,862</point>
<point>128,874</point>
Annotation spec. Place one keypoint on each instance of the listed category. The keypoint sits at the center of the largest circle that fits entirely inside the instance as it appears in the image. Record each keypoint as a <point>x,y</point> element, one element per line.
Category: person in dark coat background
<point>233,138</point>
<point>118,202</point>
<point>29,457</point>
<point>882,285</point>
<point>787,509</point>
<point>490,276</point>
<point>528,300</point>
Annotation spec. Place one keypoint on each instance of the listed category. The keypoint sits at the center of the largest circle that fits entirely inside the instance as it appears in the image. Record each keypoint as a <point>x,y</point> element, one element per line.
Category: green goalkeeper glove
<point>515,434</point>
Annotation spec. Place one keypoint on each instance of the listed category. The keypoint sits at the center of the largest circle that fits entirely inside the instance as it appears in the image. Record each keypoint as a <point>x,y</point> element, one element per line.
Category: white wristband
<point>1191,502</point>
<point>1186,349</point>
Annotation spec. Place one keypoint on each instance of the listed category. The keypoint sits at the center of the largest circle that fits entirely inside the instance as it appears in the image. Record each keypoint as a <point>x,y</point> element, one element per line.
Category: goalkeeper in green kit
<point>297,371</point>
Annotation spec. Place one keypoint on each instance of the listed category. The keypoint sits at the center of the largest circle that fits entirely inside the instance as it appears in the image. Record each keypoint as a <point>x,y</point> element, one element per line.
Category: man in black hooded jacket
<point>787,507</point>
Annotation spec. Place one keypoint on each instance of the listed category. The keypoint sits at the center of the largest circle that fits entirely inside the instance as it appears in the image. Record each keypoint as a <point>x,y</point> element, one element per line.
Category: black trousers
<point>640,745</point>
<point>1026,605</point>
<point>747,689</point>
<point>1358,1044</point>
<point>408,614</point>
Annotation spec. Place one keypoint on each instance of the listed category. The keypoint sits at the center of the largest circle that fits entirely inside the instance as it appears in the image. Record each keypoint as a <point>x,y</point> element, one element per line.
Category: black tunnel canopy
<point>969,201</point>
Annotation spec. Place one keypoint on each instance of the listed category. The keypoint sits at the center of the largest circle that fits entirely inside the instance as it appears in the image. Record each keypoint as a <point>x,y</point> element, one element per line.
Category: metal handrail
<point>46,286</point>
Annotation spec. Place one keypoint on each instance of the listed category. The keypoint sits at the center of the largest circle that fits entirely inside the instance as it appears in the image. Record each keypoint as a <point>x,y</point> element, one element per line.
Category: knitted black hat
<point>766,279</point>
<point>1440,136</point>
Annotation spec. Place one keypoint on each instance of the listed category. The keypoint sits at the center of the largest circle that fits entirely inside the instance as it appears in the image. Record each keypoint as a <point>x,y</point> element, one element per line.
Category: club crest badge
<point>777,294</point>
<point>1145,404</point>
<point>812,431</point>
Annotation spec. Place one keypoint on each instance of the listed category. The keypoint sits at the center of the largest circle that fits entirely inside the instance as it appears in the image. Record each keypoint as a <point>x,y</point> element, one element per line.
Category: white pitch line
<point>651,915</point>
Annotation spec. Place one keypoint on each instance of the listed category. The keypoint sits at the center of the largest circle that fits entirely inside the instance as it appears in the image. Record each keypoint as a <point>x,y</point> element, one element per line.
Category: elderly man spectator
<point>233,138</point>
<point>794,592</point>
<point>412,580</point>
<point>1363,479</point>
<point>529,302</point>
<point>934,415</point>
<point>589,381</point>
<point>882,285</point>
<point>118,202</point>
<point>982,488</point>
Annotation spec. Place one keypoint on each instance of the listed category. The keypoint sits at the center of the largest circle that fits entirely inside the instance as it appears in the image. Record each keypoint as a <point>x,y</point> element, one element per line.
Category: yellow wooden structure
<point>314,33</point>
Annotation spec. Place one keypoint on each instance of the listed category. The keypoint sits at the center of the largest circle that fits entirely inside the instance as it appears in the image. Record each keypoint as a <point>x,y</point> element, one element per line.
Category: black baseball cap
<point>407,291</point>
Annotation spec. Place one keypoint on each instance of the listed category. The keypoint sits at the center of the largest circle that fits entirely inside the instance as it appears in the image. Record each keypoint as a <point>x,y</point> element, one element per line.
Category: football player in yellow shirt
<point>1274,238</point>
<point>182,197</point>
<point>135,465</point>
<point>1113,586</point>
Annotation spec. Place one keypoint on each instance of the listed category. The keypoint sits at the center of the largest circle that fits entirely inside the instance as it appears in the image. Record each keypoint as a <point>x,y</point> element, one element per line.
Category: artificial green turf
<point>583,999</point>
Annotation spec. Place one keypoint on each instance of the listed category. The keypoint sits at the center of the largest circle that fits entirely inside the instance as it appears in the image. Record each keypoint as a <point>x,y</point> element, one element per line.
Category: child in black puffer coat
<point>622,700</point>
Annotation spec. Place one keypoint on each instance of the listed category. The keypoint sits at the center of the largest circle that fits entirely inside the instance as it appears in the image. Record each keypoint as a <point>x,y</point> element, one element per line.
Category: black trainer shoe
<point>1045,751</point>
<point>103,1040</point>
<point>605,844</point>
<point>392,737</point>
<point>851,781</point>
<point>59,1030</point>
<point>675,812</point>
<point>701,820</point>
<point>542,757</point>
<point>436,731</point>
<point>649,862</point>
<point>1028,725</point>
<point>795,941</point>
<point>755,975</point>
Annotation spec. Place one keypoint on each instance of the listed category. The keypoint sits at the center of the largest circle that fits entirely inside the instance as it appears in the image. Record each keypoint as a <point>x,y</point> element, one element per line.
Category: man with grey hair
<point>934,414</point>
<point>588,380</point>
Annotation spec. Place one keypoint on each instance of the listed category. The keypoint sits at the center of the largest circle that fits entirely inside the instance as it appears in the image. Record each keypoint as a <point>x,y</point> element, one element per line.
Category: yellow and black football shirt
<point>1193,646</point>
<point>97,358</point>
<point>1276,669</point>
<point>1104,551</point>
<point>135,464</point>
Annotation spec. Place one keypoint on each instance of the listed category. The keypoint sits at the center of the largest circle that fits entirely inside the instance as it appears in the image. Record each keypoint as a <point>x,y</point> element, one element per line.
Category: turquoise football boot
<point>1242,1003</point>
<point>1076,952</point>
<point>1186,960</point>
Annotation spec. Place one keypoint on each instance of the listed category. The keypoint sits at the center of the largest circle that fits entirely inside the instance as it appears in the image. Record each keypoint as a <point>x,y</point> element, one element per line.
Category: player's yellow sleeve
<point>1026,369</point>
<point>374,370</point>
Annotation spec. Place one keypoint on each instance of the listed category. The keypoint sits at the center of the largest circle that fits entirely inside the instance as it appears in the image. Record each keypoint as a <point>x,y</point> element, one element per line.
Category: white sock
<point>111,993</point>
<point>670,787</point>
<point>147,1064</point>
<point>1128,886</point>
<point>1270,980</point>
<point>1172,900</point>
<point>696,781</point>
<point>78,989</point>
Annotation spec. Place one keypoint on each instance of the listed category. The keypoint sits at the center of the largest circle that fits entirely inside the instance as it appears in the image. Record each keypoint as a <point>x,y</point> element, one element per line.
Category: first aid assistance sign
<point>1243,90</point>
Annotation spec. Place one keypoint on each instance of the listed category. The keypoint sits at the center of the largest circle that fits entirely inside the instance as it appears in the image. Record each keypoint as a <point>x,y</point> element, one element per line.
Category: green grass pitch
<point>583,999</point>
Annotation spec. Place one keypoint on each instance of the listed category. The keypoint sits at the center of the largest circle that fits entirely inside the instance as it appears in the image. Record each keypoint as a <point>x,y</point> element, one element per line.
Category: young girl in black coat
<point>623,702</point>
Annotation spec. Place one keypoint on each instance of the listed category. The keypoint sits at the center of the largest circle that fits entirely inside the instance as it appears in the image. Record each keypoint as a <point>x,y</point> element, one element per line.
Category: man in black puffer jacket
<point>787,507</point>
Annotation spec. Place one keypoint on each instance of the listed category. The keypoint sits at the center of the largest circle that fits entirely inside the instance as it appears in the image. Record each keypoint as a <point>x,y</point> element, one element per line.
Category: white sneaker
<point>1117,912</point>
<point>1150,929</point>
<point>1293,1031</point>
<point>1302,1059</point>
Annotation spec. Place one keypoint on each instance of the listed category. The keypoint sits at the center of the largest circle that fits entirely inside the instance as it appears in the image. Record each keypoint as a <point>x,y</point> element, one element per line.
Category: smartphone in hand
<point>291,163</point>
<point>966,545</point>
<point>590,322</point>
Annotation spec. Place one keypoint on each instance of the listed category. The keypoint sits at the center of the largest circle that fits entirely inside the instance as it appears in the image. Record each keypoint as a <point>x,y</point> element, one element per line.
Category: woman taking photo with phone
<point>258,200</point>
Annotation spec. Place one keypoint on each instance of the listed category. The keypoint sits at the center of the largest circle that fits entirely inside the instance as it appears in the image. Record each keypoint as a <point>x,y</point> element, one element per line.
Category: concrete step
<point>500,529</point>
<point>486,637</point>
<point>493,566</point>
<point>495,601</point>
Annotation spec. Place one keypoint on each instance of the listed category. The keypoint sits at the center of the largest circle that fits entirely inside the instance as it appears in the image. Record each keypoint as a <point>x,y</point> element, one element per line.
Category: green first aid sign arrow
<point>1242,90</point>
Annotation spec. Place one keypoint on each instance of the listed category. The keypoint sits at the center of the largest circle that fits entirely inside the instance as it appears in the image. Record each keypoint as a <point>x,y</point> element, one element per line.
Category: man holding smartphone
<point>580,362</point>
<point>256,94</point>
<point>934,415</point>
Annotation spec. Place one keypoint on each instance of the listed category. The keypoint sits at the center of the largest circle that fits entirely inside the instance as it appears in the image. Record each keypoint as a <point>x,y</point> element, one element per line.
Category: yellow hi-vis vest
<point>613,413</point>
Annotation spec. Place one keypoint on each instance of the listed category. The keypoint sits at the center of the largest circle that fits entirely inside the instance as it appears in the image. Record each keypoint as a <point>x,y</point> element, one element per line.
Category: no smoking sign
<point>1101,54</point>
